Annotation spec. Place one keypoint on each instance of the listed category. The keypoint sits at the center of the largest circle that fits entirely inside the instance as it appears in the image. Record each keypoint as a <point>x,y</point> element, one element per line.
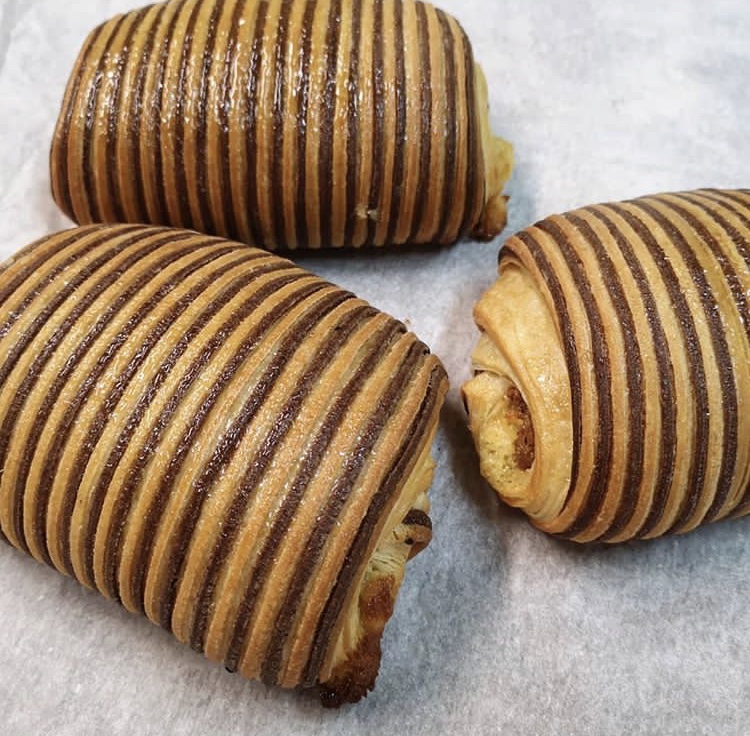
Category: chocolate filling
<point>517,415</point>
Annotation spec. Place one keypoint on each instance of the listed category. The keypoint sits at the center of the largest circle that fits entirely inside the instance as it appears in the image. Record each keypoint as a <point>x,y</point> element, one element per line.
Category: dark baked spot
<point>419,534</point>
<point>415,517</point>
<point>354,678</point>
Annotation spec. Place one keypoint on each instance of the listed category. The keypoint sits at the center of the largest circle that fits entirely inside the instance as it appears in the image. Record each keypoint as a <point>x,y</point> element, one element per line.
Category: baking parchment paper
<point>498,629</point>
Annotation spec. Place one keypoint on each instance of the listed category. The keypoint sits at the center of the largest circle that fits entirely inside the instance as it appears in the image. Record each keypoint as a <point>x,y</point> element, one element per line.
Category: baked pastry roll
<point>284,124</point>
<point>220,440</point>
<point>614,366</point>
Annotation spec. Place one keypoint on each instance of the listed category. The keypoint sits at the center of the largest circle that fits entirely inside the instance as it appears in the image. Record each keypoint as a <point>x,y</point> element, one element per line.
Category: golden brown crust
<point>213,437</point>
<point>625,327</point>
<point>355,677</point>
<point>283,124</point>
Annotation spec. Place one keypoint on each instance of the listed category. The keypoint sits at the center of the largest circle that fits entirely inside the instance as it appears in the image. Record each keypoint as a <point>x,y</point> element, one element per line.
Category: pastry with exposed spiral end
<point>219,440</point>
<point>283,124</point>
<point>612,375</point>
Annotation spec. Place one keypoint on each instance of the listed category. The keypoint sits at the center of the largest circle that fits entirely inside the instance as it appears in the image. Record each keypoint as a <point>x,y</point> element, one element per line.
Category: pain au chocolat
<point>219,440</point>
<point>612,376</point>
<point>283,124</point>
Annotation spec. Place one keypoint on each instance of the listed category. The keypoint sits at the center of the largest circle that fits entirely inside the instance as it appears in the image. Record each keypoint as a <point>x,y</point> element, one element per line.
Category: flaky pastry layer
<point>616,343</point>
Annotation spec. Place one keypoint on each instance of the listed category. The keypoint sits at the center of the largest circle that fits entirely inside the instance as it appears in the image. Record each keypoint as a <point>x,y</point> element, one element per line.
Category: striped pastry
<point>283,124</point>
<point>216,438</point>
<point>612,377</point>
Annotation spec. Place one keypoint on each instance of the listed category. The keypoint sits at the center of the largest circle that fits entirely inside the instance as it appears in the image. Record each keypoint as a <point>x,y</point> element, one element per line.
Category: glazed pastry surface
<point>283,124</point>
<point>613,369</point>
<point>219,440</point>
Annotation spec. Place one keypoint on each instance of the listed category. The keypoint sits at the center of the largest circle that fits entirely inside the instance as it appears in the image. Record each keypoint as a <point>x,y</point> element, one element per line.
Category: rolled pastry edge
<point>624,329</point>
<point>519,400</point>
<point>352,664</point>
<point>498,167</point>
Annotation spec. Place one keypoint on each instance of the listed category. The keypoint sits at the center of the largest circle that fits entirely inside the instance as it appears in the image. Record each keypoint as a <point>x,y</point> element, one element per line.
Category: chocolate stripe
<point>264,455</point>
<point>568,339</point>
<point>136,416</point>
<point>722,356</point>
<point>634,368</point>
<point>401,142</point>
<point>354,132</point>
<point>726,476</point>
<point>340,493</point>
<point>595,493</point>
<point>731,276</point>
<point>227,445</point>
<point>141,251</point>
<point>309,464</point>
<point>42,250</point>
<point>425,137</point>
<point>277,169</point>
<point>200,185</point>
<point>23,341</point>
<point>7,263</point>
<point>113,196</point>
<point>667,390</point>
<point>382,344</point>
<point>93,104</point>
<point>306,29</point>
<point>693,354</point>
<point>251,196</point>
<point>736,196</point>
<point>354,558</point>
<point>230,95</point>
<point>134,116</point>
<point>741,244</point>
<point>74,405</point>
<point>60,174</point>
<point>730,204</point>
<point>326,132</point>
<point>182,94</point>
<point>451,131</point>
<point>711,208</point>
<point>55,453</point>
<point>154,125</point>
<point>159,500</point>
<point>378,125</point>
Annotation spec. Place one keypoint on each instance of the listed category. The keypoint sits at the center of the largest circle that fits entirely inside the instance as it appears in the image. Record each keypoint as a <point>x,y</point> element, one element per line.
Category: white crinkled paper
<point>498,628</point>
